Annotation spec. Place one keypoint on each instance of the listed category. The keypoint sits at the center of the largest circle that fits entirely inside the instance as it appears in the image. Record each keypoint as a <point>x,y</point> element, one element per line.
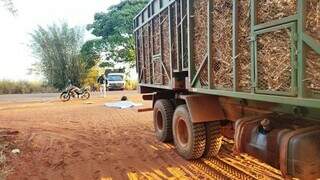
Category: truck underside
<point>246,70</point>
<point>196,123</point>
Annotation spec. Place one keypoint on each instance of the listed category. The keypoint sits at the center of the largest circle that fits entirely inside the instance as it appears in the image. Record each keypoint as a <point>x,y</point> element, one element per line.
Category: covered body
<point>244,49</point>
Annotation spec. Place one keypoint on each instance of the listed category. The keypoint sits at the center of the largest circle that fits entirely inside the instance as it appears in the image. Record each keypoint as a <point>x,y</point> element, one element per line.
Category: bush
<point>131,84</point>
<point>91,79</point>
<point>24,87</point>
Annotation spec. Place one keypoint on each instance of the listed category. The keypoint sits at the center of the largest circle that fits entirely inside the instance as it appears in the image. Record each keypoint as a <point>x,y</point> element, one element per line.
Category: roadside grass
<point>131,84</point>
<point>23,87</point>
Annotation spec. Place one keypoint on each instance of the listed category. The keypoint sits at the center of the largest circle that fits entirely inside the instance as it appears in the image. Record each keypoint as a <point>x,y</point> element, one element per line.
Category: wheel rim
<point>85,96</point>
<point>65,97</point>
<point>159,121</point>
<point>182,132</point>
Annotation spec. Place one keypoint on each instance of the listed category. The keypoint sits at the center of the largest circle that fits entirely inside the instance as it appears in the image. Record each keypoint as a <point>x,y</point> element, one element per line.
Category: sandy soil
<point>85,140</point>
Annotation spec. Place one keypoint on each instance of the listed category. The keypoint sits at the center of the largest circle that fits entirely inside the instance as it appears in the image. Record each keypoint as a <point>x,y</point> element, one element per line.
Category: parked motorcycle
<point>74,92</point>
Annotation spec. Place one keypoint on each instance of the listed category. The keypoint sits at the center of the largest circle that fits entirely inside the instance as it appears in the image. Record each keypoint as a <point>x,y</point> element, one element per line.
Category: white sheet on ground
<point>122,104</point>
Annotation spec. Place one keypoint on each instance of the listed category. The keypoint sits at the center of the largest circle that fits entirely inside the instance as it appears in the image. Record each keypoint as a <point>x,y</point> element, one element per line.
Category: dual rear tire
<point>189,138</point>
<point>192,140</point>
<point>162,120</point>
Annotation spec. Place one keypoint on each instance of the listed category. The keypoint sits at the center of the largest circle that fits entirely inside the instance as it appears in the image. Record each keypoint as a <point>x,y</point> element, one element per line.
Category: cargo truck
<point>247,70</point>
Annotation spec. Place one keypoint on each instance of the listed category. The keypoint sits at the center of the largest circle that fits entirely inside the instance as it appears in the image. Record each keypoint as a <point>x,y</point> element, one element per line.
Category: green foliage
<point>8,4</point>
<point>23,87</point>
<point>91,78</point>
<point>116,29</point>
<point>106,64</point>
<point>58,49</point>
<point>90,52</point>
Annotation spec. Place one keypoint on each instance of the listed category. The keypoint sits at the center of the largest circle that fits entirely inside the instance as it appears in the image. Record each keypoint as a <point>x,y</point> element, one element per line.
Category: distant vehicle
<point>116,81</point>
<point>74,92</point>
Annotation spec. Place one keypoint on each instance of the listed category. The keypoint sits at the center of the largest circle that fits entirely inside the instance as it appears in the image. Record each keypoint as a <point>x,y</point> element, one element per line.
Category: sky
<point>15,55</point>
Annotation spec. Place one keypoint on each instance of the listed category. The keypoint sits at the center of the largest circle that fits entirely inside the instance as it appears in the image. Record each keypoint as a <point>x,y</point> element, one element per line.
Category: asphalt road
<point>28,97</point>
<point>44,97</point>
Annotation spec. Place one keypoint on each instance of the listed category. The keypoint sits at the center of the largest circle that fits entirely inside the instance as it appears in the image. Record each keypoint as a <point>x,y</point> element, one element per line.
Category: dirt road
<point>85,140</point>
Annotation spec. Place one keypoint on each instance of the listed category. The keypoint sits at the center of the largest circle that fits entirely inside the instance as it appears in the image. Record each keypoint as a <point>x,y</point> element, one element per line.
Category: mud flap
<point>204,108</point>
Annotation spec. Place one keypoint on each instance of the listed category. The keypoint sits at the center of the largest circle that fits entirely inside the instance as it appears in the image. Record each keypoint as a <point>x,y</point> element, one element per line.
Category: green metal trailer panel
<point>232,48</point>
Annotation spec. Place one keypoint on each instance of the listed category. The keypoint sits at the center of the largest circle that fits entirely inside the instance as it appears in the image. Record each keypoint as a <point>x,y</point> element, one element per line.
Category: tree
<point>10,6</point>
<point>58,49</point>
<point>115,27</point>
<point>91,78</point>
<point>90,52</point>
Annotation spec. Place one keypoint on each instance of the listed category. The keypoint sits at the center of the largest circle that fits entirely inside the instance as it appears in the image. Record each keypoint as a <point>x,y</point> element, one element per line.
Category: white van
<point>116,81</point>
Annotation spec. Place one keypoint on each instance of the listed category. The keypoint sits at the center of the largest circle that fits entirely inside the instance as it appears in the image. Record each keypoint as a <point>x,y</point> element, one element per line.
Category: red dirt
<point>79,140</point>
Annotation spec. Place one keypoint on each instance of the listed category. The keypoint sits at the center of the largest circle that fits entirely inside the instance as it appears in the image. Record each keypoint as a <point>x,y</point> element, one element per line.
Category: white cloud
<point>15,56</point>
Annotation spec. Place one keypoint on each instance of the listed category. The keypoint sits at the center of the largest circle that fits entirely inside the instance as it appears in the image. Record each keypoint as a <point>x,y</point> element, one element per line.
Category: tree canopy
<point>10,6</point>
<point>90,52</point>
<point>58,49</point>
<point>115,27</point>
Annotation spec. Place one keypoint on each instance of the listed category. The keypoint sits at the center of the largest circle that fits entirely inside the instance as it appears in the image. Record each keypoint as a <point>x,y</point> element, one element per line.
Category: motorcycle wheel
<point>64,97</point>
<point>85,95</point>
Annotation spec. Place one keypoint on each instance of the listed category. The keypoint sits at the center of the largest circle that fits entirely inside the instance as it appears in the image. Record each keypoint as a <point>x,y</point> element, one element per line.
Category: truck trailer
<point>246,70</point>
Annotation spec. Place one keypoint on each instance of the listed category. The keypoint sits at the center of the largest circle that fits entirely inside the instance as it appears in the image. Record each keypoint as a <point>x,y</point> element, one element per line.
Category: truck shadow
<point>226,165</point>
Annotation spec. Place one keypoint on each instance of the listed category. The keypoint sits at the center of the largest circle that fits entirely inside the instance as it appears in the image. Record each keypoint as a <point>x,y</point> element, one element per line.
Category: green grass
<point>23,87</point>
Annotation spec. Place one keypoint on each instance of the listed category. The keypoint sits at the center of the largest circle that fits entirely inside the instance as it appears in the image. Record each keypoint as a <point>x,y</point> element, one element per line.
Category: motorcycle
<point>74,92</point>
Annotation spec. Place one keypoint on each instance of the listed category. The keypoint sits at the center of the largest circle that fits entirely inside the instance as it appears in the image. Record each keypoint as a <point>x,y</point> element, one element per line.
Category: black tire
<point>85,95</point>
<point>162,120</point>
<point>189,138</point>
<point>213,139</point>
<point>64,96</point>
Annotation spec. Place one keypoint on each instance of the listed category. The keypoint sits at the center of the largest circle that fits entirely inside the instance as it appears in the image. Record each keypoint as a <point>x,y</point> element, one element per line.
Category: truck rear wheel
<point>189,138</point>
<point>213,139</point>
<point>162,119</point>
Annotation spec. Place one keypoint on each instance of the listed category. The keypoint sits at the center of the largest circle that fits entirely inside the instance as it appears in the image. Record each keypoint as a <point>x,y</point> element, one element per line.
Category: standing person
<point>102,80</point>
